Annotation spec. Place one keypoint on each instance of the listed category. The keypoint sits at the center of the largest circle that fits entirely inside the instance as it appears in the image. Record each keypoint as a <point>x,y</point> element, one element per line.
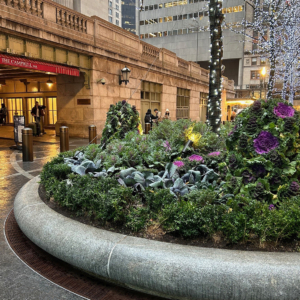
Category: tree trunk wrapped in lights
<point>215,81</point>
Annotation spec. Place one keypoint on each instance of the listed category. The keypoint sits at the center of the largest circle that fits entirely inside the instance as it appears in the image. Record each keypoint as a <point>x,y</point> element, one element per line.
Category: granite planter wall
<point>168,270</point>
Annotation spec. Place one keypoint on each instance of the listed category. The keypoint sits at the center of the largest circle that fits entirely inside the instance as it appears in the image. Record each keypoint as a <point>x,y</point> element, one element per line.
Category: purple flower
<point>271,207</point>
<point>265,142</point>
<point>214,153</point>
<point>233,131</point>
<point>123,102</point>
<point>178,163</point>
<point>196,158</point>
<point>284,111</point>
<point>167,146</point>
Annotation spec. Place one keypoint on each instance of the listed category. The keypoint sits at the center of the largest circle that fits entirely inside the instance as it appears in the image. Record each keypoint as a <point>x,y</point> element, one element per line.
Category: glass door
<point>52,111</point>
<point>14,105</point>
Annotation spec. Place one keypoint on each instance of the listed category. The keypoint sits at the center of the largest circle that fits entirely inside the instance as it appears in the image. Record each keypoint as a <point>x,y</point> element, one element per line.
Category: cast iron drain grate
<point>61,273</point>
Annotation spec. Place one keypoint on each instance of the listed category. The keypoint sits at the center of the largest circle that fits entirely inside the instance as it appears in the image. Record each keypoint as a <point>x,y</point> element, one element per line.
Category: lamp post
<point>216,18</point>
<point>197,30</point>
<point>262,81</point>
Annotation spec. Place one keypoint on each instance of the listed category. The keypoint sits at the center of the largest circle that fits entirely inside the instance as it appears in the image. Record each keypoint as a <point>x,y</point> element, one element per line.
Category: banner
<point>37,65</point>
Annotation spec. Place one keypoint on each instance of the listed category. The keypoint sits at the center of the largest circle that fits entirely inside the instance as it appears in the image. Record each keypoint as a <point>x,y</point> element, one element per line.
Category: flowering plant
<point>196,158</point>
<point>178,163</point>
<point>265,142</point>
<point>217,153</point>
<point>264,145</point>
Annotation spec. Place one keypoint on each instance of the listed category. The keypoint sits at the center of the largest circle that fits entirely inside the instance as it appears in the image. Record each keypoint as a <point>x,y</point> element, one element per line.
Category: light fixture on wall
<point>25,82</point>
<point>124,77</point>
<point>49,82</point>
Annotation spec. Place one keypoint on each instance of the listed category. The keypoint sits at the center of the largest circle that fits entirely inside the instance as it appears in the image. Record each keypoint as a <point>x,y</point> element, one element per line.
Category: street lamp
<point>262,81</point>
<point>198,29</point>
<point>125,75</point>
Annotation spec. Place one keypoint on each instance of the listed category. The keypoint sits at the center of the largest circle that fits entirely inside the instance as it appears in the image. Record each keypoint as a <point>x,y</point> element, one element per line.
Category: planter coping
<point>167,270</point>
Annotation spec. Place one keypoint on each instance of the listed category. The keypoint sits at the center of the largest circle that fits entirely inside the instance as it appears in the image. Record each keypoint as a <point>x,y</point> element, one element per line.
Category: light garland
<point>215,88</point>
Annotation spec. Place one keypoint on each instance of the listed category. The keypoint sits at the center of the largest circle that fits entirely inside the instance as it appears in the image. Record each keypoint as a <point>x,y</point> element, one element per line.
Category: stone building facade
<point>80,53</point>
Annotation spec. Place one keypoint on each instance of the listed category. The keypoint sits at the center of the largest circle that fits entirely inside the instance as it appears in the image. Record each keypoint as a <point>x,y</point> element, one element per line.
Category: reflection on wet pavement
<point>14,173</point>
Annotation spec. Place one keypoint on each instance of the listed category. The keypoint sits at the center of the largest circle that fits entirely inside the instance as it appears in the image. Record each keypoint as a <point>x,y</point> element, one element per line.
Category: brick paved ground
<point>17,281</point>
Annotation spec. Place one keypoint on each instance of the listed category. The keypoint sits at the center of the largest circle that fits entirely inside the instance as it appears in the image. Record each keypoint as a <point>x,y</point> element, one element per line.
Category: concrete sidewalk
<point>7,132</point>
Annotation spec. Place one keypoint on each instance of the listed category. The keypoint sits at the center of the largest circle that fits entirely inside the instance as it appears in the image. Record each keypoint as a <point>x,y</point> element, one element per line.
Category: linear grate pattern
<point>63,274</point>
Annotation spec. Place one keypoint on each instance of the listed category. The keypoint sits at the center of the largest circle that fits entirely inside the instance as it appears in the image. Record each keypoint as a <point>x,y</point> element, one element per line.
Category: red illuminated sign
<point>37,65</point>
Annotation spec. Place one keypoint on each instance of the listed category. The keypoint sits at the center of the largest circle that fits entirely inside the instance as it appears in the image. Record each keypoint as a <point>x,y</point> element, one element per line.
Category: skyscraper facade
<point>182,27</point>
<point>129,15</point>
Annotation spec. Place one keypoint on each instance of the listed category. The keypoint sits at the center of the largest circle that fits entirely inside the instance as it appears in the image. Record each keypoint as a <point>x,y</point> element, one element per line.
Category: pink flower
<point>214,153</point>
<point>178,163</point>
<point>196,158</point>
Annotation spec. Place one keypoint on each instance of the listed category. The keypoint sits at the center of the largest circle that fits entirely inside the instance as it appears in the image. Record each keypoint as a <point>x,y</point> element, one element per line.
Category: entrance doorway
<point>30,103</point>
<point>23,107</point>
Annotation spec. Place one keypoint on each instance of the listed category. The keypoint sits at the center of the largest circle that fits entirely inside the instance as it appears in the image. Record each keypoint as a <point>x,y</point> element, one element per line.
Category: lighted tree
<point>273,29</point>
<point>216,18</point>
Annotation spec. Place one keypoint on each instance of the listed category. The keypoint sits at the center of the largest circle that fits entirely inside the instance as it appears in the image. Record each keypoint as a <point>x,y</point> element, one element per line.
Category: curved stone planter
<point>168,270</point>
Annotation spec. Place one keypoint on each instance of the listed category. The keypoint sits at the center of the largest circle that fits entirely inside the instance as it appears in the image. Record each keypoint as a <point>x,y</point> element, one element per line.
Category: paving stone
<point>17,281</point>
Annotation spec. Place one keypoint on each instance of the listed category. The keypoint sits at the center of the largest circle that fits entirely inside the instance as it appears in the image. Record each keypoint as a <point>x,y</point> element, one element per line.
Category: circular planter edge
<point>167,270</point>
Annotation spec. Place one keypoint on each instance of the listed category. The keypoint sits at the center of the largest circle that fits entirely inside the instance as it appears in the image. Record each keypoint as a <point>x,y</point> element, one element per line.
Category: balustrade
<point>150,51</point>
<point>34,7</point>
<point>70,20</point>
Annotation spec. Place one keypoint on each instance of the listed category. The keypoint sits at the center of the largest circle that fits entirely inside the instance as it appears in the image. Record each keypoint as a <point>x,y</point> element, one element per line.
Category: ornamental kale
<point>265,142</point>
<point>265,146</point>
<point>284,111</point>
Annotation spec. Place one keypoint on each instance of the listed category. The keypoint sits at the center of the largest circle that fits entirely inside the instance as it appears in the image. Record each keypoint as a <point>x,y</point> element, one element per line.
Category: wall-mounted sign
<point>37,65</point>
<point>83,101</point>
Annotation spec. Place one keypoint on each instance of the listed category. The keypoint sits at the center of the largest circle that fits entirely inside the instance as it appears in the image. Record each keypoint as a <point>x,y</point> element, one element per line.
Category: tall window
<point>203,106</point>
<point>255,75</point>
<point>52,111</point>
<point>150,98</point>
<point>14,105</point>
<point>183,104</point>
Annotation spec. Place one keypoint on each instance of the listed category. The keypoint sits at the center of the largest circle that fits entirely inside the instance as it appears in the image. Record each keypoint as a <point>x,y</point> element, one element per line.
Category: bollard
<point>27,144</point>
<point>92,134</point>
<point>64,139</point>
<point>147,128</point>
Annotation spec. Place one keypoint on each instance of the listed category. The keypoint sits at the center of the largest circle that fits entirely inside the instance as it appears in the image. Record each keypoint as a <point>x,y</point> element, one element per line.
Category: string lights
<point>274,30</point>
<point>216,18</point>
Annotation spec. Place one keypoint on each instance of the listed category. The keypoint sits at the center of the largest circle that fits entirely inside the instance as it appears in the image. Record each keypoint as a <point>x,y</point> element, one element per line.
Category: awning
<point>37,65</point>
<point>243,101</point>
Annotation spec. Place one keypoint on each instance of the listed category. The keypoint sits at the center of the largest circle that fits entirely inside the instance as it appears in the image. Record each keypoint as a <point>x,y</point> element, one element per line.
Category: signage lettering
<point>46,67</point>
